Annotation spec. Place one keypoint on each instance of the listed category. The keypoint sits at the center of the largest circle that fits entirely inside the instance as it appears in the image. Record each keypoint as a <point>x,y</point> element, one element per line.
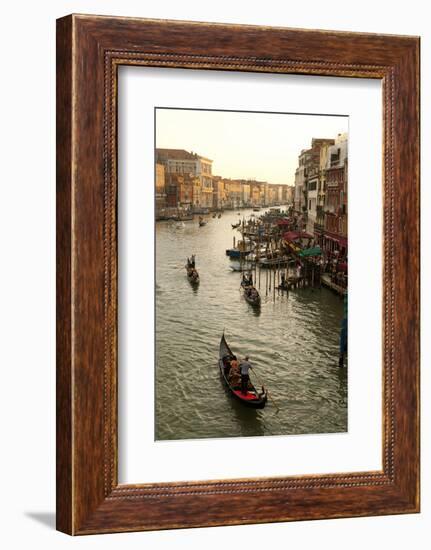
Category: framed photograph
<point>237,274</point>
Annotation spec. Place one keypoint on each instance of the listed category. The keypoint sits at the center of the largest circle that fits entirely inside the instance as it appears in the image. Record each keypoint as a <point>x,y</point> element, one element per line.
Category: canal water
<point>292,343</point>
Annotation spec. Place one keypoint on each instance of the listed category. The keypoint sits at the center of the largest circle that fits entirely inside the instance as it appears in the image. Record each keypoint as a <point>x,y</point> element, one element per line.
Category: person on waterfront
<point>298,270</point>
<point>244,369</point>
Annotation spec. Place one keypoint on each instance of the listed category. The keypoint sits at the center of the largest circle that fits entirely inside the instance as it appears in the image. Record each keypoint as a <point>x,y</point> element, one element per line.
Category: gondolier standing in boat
<point>244,369</point>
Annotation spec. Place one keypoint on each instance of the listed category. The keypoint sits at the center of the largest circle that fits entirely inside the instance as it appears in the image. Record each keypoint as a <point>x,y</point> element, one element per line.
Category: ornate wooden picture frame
<point>89,51</point>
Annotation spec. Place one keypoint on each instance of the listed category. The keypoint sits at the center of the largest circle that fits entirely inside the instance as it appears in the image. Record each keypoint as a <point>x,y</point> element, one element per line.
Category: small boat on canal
<point>237,253</point>
<point>241,266</point>
<point>235,225</point>
<point>192,274</point>
<point>251,295</point>
<point>185,217</point>
<point>202,222</point>
<point>232,380</point>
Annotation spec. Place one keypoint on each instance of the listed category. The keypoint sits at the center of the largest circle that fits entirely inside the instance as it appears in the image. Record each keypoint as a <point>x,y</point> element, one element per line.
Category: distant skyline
<point>247,145</point>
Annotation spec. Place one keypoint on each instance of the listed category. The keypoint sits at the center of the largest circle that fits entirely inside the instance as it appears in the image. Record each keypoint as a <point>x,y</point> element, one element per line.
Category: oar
<point>273,401</point>
<point>267,392</point>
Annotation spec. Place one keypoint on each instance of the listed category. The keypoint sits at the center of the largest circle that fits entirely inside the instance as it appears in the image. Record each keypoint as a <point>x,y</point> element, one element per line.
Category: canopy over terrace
<point>295,235</point>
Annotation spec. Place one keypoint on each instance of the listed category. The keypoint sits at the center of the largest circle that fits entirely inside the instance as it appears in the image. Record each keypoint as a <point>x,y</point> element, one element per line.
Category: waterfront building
<point>312,194</point>
<point>179,191</point>
<point>279,193</point>
<point>288,194</point>
<point>300,181</point>
<point>246,198</point>
<point>160,190</point>
<point>275,195</point>
<point>319,225</point>
<point>181,162</point>
<point>264,194</point>
<point>335,209</point>
<point>197,188</point>
<point>233,192</point>
<point>219,192</point>
<point>255,194</point>
<point>308,167</point>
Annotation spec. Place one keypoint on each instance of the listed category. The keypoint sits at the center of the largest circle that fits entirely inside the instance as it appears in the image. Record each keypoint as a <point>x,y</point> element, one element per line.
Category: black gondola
<point>235,225</point>
<point>251,295</point>
<point>253,398</point>
<point>192,274</point>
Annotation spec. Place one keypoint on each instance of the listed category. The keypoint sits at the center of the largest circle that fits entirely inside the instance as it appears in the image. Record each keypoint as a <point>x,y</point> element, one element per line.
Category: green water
<point>292,343</point>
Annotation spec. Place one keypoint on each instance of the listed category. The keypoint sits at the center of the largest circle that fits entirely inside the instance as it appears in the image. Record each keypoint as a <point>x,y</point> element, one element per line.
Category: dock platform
<point>326,281</point>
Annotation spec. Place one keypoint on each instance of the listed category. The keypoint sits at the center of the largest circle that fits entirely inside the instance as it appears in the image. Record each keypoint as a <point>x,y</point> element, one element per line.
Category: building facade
<point>190,164</point>
<point>320,193</point>
<point>334,237</point>
<point>335,209</point>
<point>160,191</point>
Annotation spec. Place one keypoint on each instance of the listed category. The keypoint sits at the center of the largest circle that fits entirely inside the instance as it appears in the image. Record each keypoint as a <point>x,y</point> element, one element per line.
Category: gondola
<point>253,398</point>
<point>192,274</point>
<point>252,300</point>
<point>247,287</point>
<point>219,216</point>
<point>235,225</point>
<point>202,222</point>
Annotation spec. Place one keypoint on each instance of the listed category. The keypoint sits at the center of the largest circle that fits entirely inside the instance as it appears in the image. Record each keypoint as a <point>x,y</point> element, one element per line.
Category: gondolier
<point>244,369</point>
<point>252,398</point>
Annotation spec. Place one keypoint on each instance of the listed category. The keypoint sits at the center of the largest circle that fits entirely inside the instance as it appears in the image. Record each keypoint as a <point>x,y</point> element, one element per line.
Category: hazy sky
<point>259,146</point>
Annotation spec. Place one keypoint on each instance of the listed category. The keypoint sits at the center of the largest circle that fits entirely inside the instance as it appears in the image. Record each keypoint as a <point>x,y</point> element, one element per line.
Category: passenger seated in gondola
<point>234,365</point>
<point>227,364</point>
<point>235,379</point>
<point>252,292</point>
<point>193,261</point>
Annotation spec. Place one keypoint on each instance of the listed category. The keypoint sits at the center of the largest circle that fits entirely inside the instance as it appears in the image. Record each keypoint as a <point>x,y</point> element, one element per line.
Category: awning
<point>342,241</point>
<point>294,235</point>
<point>291,236</point>
<point>284,221</point>
<point>315,251</point>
